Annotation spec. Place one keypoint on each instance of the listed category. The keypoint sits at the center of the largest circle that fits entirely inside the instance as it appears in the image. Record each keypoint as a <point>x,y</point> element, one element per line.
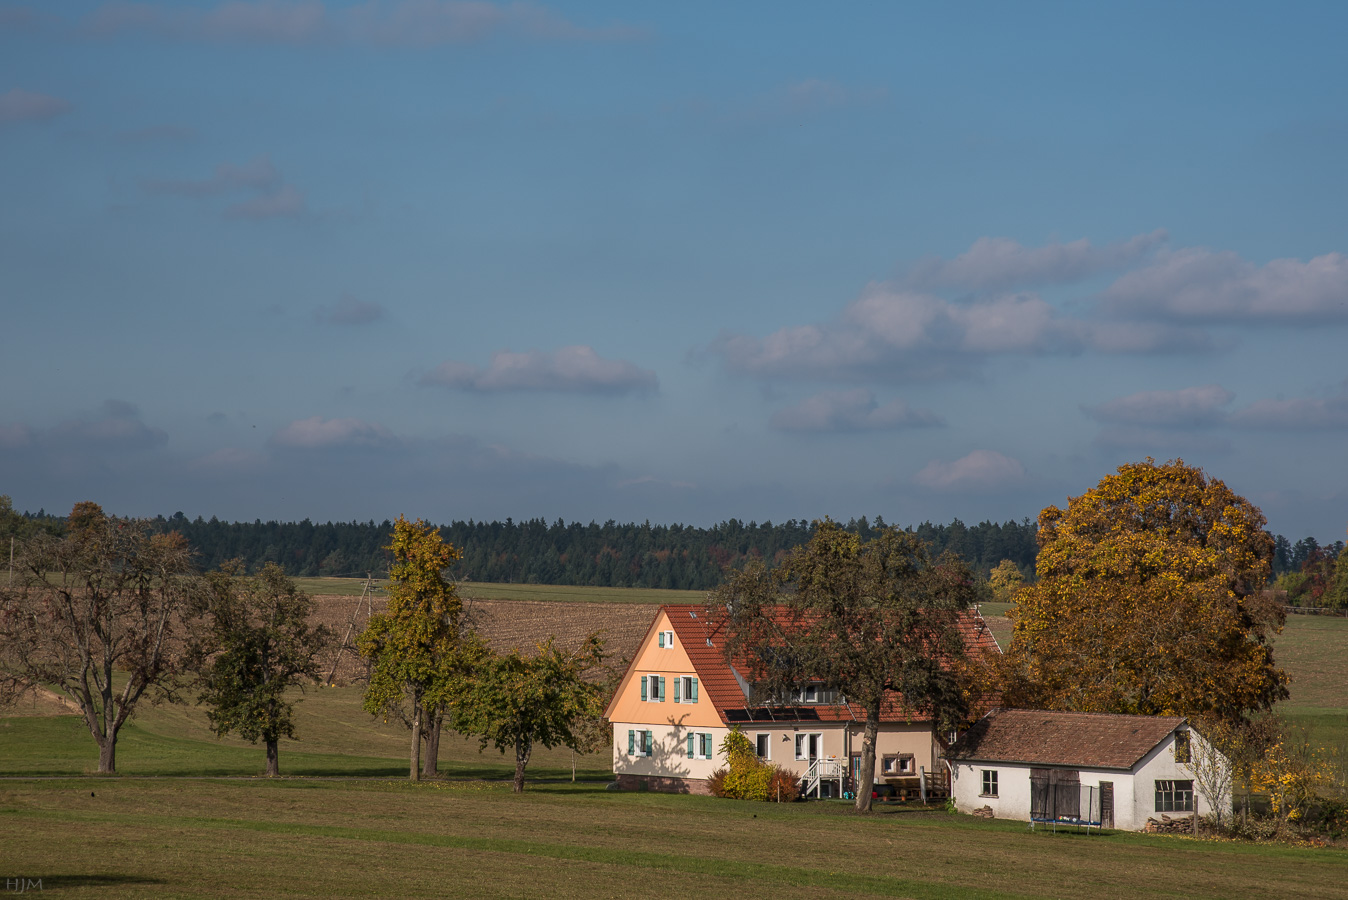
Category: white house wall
<point>669,757</point>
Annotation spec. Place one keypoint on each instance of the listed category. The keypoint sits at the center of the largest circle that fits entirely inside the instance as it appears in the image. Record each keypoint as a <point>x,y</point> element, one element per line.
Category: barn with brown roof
<point>1102,769</point>
<point>680,697</point>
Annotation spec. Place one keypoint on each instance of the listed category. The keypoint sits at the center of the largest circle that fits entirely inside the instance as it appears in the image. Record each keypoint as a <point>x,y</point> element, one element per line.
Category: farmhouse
<point>1114,771</point>
<point>680,697</point>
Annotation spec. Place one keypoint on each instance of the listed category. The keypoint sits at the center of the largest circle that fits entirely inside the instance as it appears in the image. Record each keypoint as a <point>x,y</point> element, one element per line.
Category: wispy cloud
<point>18,105</point>
<point>854,410</point>
<point>404,23</point>
<point>571,369</point>
<point>1156,414</point>
<point>350,311</point>
<point>1186,407</point>
<point>1200,285</point>
<point>981,470</point>
<point>116,427</point>
<point>269,195</point>
<point>318,433</point>
<point>999,263</point>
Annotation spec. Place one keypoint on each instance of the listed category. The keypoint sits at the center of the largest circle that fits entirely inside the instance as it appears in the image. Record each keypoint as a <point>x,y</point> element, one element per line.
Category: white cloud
<point>1295,414</point>
<point>18,105</point>
<point>350,311</point>
<point>572,369</point>
<point>258,174</point>
<point>981,470</point>
<point>283,202</point>
<point>1186,407</point>
<point>854,410</point>
<point>405,23</point>
<point>316,433</point>
<point>119,427</point>
<point>998,263</point>
<point>1202,285</point>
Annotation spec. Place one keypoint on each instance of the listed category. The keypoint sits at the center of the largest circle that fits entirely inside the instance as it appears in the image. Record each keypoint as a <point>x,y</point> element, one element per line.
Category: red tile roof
<point>702,639</point>
<point>1078,740</point>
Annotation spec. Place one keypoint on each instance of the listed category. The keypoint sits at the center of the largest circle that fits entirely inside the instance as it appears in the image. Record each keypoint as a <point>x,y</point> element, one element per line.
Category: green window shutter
<point>643,687</point>
<point>692,695</point>
<point>650,743</point>
<point>676,689</point>
<point>661,695</point>
<point>690,743</point>
<point>662,639</point>
<point>631,741</point>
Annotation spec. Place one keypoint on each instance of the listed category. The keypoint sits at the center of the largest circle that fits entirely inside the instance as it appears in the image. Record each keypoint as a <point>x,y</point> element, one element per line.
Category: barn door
<point>1066,793</point>
<point>1040,802</point>
<point>1107,804</point>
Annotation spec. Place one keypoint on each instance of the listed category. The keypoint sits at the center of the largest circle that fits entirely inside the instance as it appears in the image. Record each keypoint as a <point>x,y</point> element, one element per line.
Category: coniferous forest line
<point>681,557</point>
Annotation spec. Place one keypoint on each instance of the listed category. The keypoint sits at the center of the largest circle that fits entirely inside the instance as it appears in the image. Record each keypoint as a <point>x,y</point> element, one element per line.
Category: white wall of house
<point>669,751</point>
<point>1134,791</point>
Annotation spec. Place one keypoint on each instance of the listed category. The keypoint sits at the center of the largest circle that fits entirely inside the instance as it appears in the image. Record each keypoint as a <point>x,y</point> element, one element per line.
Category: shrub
<point>749,778</point>
<point>783,786</point>
<point>716,782</point>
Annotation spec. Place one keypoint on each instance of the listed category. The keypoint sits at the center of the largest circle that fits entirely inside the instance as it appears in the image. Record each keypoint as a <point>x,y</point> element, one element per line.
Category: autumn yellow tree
<point>1004,580</point>
<point>1148,601</point>
<point>414,647</point>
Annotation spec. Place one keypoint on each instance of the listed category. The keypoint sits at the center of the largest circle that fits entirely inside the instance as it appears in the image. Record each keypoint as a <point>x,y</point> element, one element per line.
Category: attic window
<point>666,639</point>
<point>1182,753</point>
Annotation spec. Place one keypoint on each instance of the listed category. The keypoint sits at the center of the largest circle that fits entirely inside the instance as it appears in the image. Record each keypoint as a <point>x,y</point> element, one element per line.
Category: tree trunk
<point>415,771</point>
<point>107,755</point>
<point>866,777</point>
<point>435,721</point>
<point>273,758</point>
<point>523,747</point>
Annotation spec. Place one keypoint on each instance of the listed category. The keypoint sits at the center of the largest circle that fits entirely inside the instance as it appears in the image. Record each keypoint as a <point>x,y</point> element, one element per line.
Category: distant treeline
<point>608,555</point>
<point>535,552</point>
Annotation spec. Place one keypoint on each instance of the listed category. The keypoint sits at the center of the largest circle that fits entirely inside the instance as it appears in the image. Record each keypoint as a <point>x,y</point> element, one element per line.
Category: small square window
<point>898,764</point>
<point>666,639</point>
<point>989,783</point>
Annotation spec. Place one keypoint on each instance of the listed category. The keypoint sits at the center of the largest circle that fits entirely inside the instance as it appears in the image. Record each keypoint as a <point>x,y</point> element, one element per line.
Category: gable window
<point>813,693</point>
<point>699,745</point>
<point>1174,796</point>
<point>808,745</point>
<point>653,688</point>
<point>1182,750</point>
<point>685,689</point>
<point>666,639</point>
<point>763,746</point>
<point>989,783</point>
<point>640,743</point>
<point>899,764</point>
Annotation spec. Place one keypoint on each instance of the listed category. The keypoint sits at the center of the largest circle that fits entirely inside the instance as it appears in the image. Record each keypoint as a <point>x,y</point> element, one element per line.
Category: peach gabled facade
<point>680,697</point>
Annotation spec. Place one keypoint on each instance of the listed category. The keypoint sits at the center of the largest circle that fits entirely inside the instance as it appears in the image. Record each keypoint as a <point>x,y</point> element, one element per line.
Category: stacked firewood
<point>984,813</point>
<point>1167,825</point>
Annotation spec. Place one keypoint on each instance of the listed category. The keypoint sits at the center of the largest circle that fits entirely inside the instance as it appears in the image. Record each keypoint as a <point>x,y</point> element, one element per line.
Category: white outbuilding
<point>1101,769</point>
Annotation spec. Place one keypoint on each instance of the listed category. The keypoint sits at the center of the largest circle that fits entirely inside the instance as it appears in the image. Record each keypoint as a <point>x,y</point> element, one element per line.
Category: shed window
<point>1174,796</point>
<point>1182,747</point>
<point>989,783</point>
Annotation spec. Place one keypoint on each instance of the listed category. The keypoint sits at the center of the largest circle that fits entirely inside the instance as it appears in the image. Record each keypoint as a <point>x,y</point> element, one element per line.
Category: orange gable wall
<point>671,662</point>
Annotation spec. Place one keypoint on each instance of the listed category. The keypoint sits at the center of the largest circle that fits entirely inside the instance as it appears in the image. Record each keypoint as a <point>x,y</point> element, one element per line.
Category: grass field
<point>316,838</point>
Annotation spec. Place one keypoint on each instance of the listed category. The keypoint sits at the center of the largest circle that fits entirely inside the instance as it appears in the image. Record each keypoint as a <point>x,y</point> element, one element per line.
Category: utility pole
<point>366,595</point>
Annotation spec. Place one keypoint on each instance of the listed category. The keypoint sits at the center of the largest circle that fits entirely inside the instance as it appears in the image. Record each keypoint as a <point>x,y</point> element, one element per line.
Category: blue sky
<point>677,262</point>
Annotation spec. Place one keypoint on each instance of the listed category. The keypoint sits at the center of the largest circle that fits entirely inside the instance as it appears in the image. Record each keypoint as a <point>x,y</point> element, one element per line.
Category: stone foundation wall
<point>663,783</point>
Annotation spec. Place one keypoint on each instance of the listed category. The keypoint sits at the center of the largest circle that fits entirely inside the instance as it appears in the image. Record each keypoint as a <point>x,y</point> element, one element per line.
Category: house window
<point>1174,796</point>
<point>653,688</point>
<point>1182,751</point>
<point>898,764</point>
<point>807,745</point>
<point>699,745</point>
<point>666,639</point>
<point>989,783</point>
<point>685,689</point>
<point>640,743</point>
<point>763,746</point>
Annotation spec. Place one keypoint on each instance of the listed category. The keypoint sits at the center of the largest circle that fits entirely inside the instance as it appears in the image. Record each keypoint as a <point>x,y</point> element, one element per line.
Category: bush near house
<point>749,778</point>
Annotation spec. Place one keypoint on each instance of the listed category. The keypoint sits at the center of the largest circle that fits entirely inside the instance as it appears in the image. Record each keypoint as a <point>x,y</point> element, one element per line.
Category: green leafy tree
<point>1005,580</point>
<point>1149,601</point>
<point>414,647</point>
<point>864,617</point>
<point>515,702</point>
<point>260,644</point>
<point>100,615</point>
